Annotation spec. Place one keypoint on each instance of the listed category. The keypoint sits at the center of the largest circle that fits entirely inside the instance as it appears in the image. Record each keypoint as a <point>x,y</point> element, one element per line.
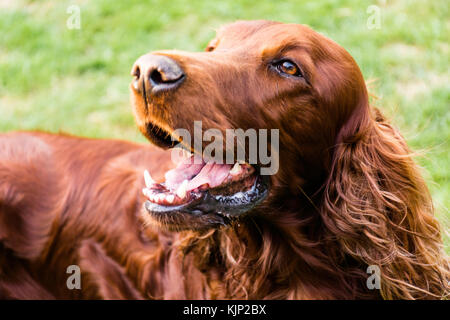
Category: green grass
<point>56,79</point>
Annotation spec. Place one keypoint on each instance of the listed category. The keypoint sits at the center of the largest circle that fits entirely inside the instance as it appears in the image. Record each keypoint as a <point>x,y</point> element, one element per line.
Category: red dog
<point>347,194</point>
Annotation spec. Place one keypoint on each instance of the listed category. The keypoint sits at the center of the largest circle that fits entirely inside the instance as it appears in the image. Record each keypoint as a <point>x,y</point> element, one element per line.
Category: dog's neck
<point>256,258</point>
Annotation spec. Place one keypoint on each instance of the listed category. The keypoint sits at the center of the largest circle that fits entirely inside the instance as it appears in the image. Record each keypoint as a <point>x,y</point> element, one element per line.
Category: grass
<point>56,79</point>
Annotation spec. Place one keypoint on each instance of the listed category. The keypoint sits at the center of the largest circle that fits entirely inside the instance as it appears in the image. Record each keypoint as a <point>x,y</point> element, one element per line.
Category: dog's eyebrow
<point>287,45</point>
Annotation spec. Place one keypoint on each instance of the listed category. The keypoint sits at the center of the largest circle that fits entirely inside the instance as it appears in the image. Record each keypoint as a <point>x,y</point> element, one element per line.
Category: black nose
<point>156,73</point>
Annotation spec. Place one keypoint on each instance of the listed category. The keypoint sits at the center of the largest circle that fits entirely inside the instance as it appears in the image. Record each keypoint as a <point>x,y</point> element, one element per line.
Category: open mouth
<point>202,190</point>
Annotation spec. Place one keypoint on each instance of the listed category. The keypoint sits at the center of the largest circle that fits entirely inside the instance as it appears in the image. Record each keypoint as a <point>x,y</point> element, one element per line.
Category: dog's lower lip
<point>226,206</point>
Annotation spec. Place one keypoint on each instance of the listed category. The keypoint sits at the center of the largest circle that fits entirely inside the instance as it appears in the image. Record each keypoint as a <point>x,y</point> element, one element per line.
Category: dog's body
<point>48,184</point>
<point>347,194</point>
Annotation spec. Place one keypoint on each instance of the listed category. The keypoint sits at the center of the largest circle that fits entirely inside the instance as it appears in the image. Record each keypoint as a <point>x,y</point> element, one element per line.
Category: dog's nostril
<point>164,73</point>
<point>137,73</point>
<point>159,76</point>
<point>156,77</point>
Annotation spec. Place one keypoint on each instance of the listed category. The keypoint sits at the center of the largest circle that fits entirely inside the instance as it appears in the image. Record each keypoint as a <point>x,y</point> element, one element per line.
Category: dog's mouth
<point>199,192</point>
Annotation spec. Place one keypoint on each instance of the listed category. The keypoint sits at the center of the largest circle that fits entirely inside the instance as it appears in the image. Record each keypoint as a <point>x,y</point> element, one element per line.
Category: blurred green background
<point>76,80</point>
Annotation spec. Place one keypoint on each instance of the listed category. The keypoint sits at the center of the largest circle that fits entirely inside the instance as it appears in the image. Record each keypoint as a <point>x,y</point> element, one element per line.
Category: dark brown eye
<point>288,67</point>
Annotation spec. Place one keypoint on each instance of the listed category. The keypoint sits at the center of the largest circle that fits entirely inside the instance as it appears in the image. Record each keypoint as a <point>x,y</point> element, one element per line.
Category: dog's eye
<point>288,67</point>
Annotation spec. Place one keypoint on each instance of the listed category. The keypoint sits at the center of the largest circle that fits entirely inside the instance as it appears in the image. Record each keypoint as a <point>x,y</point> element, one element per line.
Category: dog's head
<point>283,91</point>
<point>334,163</point>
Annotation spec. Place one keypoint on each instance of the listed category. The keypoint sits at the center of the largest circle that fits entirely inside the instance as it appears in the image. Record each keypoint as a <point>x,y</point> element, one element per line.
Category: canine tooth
<point>236,169</point>
<point>181,191</point>
<point>148,179</point>
<point>144,191</point>
<point>170,198</point>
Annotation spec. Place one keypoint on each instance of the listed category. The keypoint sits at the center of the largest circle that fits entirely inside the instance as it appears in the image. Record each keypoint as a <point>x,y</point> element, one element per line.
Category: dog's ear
<point>104,276</point>
<point>379,209</point>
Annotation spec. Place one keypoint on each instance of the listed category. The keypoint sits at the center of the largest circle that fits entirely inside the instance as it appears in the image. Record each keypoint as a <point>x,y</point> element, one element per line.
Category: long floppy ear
<point>378,207</point>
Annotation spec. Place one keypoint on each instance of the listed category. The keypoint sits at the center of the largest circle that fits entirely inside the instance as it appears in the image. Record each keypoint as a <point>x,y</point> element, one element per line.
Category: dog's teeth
<point>170,198</point>
<point>236,169</point>
<point>144,191</point>
<point>148,179</point>
<point>181,191</point>
<point>151,196</point>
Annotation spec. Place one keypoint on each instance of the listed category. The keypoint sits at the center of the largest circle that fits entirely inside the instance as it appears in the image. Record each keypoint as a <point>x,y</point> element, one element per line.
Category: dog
<point>346,197</point>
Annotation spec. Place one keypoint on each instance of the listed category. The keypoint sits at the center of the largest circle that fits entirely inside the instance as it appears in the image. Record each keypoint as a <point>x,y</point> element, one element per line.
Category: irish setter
<point>347,195</point>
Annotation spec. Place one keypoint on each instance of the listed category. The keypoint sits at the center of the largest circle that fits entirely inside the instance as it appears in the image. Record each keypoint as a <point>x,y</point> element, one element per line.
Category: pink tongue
<point>212,173</point>
<point>200,172</point>
<point>185,170</point>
